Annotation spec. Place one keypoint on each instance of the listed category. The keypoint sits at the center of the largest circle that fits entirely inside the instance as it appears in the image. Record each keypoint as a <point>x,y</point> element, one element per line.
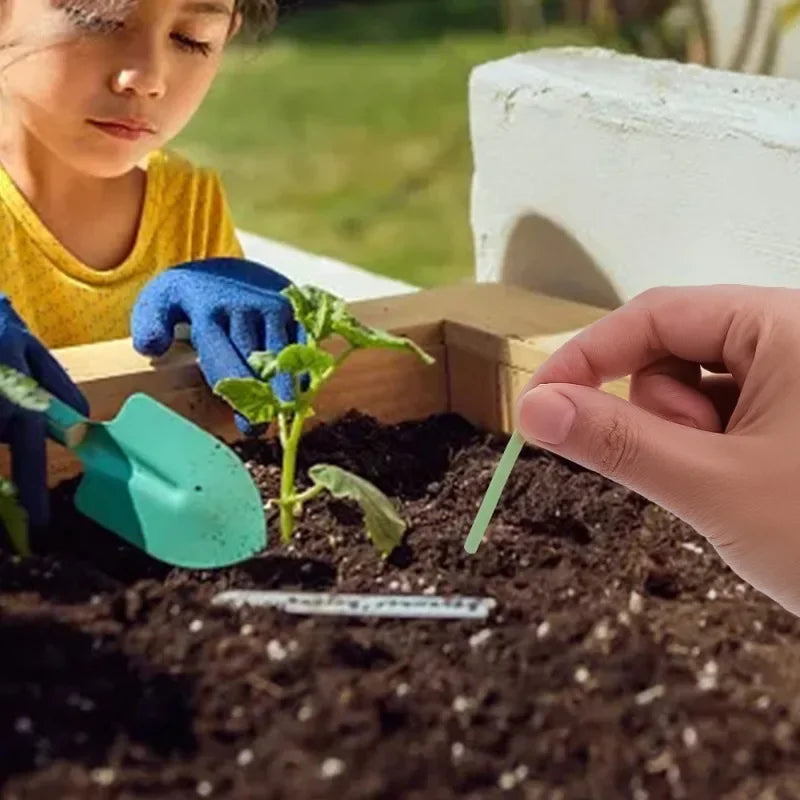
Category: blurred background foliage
<point>345,131</point>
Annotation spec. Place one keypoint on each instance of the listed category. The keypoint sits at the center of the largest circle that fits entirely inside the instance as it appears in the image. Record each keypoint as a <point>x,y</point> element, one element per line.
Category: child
<point>94,209</point>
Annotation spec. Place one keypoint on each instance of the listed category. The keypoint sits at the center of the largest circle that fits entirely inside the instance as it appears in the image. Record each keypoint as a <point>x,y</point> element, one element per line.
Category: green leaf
<point>22,390</point>
<point>297,359</point>
<point>789,14</point>
<point>265,365</point>
<point>384,525</point>
<point>251,397</point>
<point>323,314</point>
<point>14,518</point>
<point>314,309</point>
<point>359,335</point>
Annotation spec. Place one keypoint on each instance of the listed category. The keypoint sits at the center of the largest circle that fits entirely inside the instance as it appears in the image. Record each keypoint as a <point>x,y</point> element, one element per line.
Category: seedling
<point>323,316</point>
<point>24,392</point>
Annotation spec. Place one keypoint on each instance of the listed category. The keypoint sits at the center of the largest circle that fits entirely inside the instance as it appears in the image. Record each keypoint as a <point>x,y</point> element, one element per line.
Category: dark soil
<point>623,659</point>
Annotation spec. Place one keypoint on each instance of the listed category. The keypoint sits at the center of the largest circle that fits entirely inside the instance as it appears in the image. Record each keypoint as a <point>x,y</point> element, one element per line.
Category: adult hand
<point>25,431</point>
<point>234,307</point>
<point>722,450</point>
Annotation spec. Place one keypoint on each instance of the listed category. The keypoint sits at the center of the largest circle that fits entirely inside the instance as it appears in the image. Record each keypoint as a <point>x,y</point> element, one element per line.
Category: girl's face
<point>102,83</point>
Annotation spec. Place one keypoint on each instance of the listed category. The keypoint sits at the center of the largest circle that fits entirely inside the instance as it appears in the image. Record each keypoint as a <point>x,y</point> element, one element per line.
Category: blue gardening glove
<point>25,431</point>
<point>234,307</point>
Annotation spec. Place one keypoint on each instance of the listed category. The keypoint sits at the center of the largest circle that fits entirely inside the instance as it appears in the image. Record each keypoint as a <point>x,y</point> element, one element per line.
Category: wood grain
<point>487,340</point>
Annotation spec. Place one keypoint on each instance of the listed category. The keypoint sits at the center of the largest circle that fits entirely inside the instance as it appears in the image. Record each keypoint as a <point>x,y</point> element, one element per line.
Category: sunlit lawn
<point>358,151</point>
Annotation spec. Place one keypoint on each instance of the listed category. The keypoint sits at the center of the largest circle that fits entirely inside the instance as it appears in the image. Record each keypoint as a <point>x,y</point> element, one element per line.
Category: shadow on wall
<point>542,257</point>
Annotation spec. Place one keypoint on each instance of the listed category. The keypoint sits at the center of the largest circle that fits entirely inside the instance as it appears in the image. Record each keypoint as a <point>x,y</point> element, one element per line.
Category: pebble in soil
<point>623,659</point>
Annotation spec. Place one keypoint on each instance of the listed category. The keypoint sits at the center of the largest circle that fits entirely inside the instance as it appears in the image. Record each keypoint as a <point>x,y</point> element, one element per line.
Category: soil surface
<point>623,658</point>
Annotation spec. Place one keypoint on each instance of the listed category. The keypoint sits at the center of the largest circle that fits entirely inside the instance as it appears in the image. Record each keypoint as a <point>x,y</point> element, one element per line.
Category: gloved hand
<point>25,431</point>
<point>234,307</point>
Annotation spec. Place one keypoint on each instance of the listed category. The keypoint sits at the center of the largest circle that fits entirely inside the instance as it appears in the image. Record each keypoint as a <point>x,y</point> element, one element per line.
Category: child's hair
<point>259,16</point>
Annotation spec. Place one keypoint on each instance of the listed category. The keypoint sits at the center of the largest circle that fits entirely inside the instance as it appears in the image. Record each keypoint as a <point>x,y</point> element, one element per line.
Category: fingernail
<point>546,415</point>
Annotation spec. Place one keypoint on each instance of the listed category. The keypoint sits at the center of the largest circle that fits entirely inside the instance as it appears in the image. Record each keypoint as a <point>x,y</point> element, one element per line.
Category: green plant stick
<point>493,493</point>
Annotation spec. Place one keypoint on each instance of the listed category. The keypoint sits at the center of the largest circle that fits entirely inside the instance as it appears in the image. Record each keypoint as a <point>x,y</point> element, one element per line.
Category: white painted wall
<point>598,175</point>
<point>727,20</point>
<point>344,280</point>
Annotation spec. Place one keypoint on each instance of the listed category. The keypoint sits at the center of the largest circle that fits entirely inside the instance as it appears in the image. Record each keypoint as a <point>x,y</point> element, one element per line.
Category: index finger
<point>697,324</point>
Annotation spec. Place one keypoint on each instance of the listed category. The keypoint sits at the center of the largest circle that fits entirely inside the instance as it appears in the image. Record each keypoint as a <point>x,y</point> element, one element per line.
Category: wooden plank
<point>109,372</point>
<point>390,386</point>
<point>116,369</point>
<point>487,338</point>
<point>489,370</point>
<point>495,308</point>
<point>527,353</point>
<point>474,388</point>
<point>496,337</point>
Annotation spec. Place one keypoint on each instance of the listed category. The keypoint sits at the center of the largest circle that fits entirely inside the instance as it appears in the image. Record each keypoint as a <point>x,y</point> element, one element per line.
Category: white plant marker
<point>362,605</point>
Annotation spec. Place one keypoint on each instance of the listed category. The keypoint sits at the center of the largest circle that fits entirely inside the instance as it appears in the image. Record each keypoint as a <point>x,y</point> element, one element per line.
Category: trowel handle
<point>65,425</point>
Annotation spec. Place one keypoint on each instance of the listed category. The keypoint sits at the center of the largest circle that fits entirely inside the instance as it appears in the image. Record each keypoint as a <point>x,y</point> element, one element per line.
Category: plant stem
<point>290,441</point>
<point>282,430</point>
<point>308,494</point>
<point>288,470</point>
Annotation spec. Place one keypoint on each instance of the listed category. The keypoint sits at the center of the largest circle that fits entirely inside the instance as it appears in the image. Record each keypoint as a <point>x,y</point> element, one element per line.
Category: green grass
<point>359,151</point>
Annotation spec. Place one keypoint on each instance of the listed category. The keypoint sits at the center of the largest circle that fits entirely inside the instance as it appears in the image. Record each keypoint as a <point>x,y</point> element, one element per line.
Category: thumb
<point>670,464</point>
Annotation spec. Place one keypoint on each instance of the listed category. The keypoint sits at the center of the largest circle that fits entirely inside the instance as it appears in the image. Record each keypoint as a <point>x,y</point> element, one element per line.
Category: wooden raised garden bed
<point>622,658</point>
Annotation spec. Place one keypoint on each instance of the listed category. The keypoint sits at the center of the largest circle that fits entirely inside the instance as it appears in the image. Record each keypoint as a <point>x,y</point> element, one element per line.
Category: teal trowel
<point>163,484</point>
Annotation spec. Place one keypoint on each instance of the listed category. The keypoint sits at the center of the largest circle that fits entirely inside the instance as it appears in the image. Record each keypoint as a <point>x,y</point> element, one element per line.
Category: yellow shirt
<point>63,301</point>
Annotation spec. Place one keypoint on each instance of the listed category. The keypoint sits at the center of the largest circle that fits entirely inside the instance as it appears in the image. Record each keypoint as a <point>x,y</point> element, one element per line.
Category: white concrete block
<point>599,175</point>
<point>344,280</point>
